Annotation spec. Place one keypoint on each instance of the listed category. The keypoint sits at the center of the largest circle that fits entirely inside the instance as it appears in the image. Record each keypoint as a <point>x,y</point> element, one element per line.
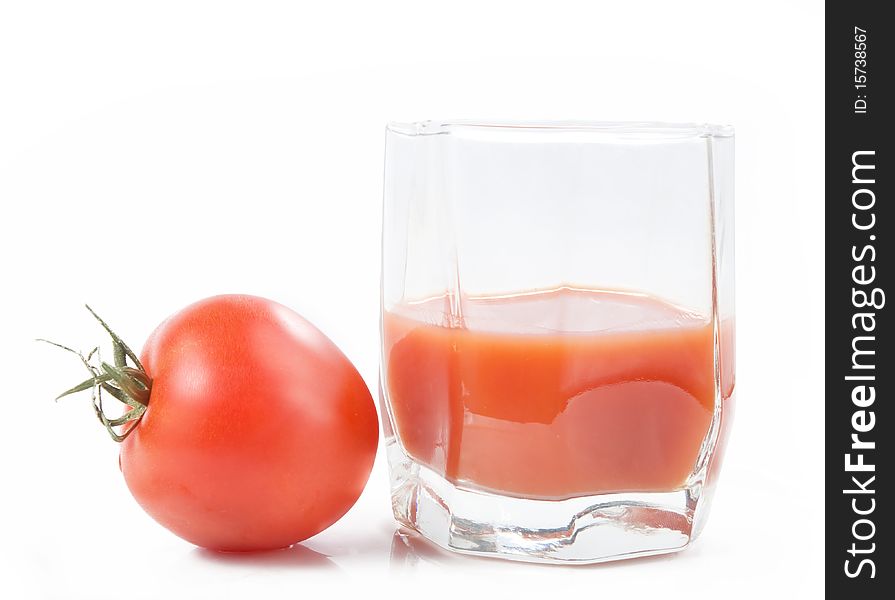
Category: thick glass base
<point>578,530</point>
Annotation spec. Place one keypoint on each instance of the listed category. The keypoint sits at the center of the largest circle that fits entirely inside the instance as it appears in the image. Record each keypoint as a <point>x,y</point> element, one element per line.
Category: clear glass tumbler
<point>557,334</point>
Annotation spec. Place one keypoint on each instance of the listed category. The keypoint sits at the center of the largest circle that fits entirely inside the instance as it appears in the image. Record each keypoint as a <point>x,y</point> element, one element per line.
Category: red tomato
<point>259,432</point>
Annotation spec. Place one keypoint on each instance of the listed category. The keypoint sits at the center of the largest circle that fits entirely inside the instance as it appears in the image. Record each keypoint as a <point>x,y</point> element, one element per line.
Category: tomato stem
<point>130,385</point>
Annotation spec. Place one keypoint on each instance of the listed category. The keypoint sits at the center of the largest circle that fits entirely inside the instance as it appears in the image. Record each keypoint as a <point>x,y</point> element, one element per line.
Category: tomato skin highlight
<point>259,433</point>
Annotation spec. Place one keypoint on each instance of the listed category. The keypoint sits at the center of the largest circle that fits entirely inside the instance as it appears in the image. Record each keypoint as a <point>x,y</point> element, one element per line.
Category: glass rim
<point>657,130</point>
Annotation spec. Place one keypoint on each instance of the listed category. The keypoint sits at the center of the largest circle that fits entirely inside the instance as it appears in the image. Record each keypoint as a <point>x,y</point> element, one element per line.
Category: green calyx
<point>129,384</point>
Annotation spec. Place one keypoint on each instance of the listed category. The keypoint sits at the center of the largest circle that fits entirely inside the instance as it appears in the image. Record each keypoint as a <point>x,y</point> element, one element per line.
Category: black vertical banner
<point>860,370</point>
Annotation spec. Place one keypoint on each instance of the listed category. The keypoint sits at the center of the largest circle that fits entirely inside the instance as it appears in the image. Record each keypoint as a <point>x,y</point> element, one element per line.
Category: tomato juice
<point>552,394</point>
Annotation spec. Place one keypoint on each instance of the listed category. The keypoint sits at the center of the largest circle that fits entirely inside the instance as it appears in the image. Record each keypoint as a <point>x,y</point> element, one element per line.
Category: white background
<point>155,153</point>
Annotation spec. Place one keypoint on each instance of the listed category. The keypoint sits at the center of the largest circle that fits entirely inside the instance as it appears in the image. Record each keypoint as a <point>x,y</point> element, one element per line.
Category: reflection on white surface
<point>294,557</point>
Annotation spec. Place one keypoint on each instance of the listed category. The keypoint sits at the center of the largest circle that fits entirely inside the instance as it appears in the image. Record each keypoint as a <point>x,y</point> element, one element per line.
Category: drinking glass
<point>557,372</point>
